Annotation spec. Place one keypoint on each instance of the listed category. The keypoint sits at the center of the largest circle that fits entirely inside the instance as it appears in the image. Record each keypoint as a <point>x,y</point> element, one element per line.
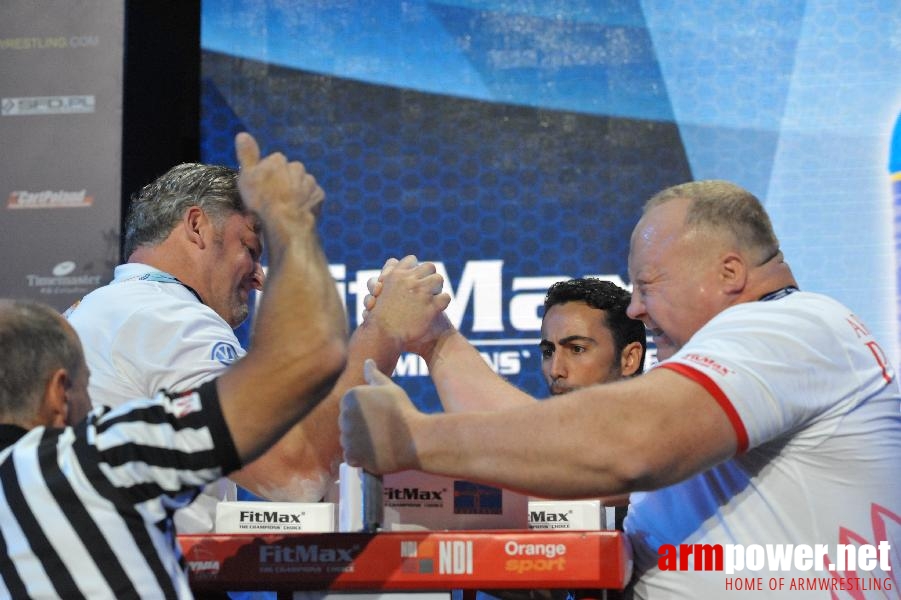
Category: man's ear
<point>196,224</point>
<point>630,359</point>
<point>55,405</point>
<point>733,273</point>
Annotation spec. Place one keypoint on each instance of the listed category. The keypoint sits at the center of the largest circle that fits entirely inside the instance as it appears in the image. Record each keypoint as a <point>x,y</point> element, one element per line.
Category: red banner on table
<point>421,560</point>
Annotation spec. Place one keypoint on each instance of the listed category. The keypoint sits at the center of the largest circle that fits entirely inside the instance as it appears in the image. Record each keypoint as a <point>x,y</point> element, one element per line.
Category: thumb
<point>373,375</point>
<point>387,268</point>
<point>442,301</point>
<point>247,150</point>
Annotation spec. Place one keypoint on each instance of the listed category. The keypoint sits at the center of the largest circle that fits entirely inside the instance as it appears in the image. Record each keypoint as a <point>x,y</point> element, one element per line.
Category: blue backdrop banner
<point>514,142</point>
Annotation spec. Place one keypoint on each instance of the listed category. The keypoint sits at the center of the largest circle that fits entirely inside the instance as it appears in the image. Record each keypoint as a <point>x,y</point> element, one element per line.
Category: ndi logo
<point>455,557</point>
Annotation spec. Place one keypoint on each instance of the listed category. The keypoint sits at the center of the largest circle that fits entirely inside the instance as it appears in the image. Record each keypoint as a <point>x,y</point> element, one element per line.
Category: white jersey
<point>815,408</point>
<point>145,332</point>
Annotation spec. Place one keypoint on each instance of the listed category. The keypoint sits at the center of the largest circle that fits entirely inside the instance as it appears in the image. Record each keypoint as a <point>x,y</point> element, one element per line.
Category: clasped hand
<point>406,301</point>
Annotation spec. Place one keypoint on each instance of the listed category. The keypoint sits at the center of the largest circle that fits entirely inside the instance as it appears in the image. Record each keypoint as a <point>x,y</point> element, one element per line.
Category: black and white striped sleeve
<point>170,445</point>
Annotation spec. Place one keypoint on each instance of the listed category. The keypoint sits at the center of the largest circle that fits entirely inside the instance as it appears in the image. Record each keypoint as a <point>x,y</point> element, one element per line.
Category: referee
<point>87,498</point>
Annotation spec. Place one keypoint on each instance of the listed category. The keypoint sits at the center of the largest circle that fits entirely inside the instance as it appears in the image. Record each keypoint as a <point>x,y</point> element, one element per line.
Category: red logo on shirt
<point>185,404</point>
<point>706,361</point>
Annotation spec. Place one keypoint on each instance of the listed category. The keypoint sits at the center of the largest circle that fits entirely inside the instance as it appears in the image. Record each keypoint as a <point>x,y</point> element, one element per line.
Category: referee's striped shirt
<point>86,512</point>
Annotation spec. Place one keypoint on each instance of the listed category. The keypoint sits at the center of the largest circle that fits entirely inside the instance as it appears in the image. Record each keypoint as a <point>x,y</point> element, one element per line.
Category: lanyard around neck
<point>162,277</point>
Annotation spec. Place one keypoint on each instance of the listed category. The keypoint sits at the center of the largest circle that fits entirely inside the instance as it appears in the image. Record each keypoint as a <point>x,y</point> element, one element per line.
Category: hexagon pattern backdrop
<point>514,142</point>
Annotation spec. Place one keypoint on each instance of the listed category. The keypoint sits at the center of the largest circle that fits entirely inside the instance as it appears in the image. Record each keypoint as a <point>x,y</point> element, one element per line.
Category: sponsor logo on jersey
<point>708,362</point>
<point>186,403</point>
<point>224,352</point>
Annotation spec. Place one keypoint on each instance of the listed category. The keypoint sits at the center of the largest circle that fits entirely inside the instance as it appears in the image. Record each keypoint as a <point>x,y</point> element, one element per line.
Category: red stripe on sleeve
<point>714,390</point>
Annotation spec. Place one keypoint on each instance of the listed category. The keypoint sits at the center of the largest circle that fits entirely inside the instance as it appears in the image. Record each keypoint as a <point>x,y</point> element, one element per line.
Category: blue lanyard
<point>781,293</point>
<point>161,277</point>
<point>158,276</point>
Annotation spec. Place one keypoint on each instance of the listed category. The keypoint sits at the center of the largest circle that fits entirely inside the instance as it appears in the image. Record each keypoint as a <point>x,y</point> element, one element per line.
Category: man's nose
<point>636,309</point>
<point>259,276</point>
<point>557,366</point>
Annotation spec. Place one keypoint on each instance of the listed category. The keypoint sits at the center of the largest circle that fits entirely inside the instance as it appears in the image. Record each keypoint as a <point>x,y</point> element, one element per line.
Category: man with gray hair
<point>166,322</point>
<point>86,496</point>
<point>166,319</point>
<point>775,421</point>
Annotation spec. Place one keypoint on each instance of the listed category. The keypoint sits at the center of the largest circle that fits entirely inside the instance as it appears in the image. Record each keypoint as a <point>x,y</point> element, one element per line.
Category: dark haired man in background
<point>586,335</point>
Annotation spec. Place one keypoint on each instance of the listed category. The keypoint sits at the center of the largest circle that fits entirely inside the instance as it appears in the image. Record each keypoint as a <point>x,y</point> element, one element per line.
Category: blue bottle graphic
<point>894,161</point>
<point>894,167</point>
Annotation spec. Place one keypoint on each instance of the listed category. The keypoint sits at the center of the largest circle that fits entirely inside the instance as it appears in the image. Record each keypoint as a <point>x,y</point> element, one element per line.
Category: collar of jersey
<point>163,277</point>
<point>780,293</point>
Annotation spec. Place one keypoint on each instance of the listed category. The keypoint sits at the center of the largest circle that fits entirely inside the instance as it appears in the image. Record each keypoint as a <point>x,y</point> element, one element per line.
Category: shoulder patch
<point>224,352</point>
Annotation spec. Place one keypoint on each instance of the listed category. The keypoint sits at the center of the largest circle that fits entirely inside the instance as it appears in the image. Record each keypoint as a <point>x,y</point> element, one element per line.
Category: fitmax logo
<point>548,517</point>
<point>253,516</point>
<point>481,286</point>
<point>413,494</point>
<point>306,554</point>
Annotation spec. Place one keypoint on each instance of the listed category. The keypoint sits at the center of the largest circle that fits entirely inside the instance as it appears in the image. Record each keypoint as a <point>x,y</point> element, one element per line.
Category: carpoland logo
<point>24,199</point>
